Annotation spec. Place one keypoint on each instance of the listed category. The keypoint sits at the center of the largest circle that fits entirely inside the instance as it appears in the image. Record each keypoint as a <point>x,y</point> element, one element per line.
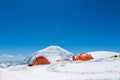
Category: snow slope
<point>90,70</point>
<point>102,54</point>
<point>52,53</point>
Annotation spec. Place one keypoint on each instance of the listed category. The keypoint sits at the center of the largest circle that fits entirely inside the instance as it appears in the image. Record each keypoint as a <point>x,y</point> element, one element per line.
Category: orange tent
<point>40,60</point>
<point>83,57</point>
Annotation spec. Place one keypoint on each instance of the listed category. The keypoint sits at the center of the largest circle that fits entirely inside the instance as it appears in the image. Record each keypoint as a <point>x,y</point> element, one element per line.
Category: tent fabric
<point>40,60</point>
<point>83,57</point>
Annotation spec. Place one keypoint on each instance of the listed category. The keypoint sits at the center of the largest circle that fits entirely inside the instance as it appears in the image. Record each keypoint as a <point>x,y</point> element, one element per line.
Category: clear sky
<point>76,25</point>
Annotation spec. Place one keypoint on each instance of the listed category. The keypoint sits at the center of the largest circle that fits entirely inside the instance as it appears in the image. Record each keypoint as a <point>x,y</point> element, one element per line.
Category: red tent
<point>40,60</point>
<point>83,57</point>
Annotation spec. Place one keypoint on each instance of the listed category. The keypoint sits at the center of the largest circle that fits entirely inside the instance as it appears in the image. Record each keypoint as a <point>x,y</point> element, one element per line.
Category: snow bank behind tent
<point>102,54</point>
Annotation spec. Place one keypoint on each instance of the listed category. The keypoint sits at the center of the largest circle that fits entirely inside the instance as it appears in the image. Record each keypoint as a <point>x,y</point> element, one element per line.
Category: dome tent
<point>82,57</point>
<point>40,60</point>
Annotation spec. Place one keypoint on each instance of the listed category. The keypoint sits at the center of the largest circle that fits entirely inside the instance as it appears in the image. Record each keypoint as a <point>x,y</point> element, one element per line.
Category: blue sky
<point>76,25</point>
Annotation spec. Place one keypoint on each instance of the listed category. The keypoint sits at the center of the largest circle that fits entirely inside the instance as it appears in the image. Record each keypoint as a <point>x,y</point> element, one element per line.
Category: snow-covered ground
<point>100,69</point>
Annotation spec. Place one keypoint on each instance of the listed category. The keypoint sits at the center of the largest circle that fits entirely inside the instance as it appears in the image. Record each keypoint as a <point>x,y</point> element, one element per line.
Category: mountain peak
<point>54,46</point>
<point>53,49</point>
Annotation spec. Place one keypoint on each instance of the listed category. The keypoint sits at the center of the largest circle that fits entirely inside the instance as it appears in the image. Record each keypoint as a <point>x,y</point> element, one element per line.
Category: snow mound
<point>102,54</point>
<point>52,53</point>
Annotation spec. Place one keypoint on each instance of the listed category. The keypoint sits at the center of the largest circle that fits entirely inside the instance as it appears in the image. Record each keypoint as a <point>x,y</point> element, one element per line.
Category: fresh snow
<point>90,70</point>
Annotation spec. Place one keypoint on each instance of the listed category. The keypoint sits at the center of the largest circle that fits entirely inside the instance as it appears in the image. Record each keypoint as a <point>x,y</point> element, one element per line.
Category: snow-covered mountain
<point>6,57</point>
<point>9,60</point>
<point>52,53</point>
<point>102,54</point>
